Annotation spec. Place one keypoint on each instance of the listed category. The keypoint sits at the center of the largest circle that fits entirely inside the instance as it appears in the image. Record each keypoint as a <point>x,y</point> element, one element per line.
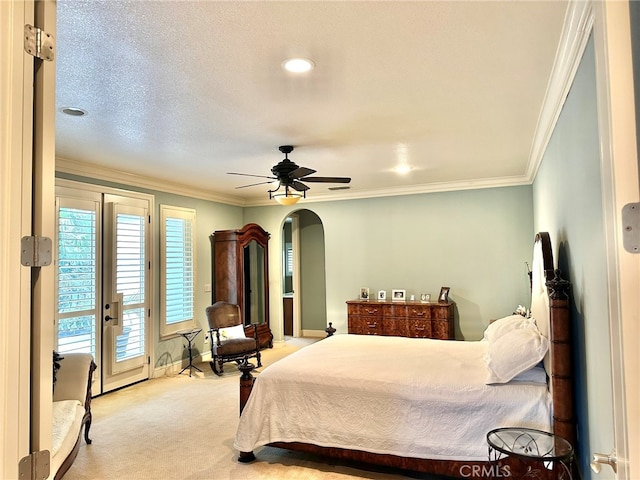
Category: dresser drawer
<point>397,327</point>
<point>441,311</point>
<point>365,325</point>
<point>419,328</point>
<point>394,310</point>
<point>441,329</point>
<point>365,309</point>
<point>419,311</point>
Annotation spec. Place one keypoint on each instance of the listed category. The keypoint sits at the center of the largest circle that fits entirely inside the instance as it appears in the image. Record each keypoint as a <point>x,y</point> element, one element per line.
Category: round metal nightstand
<point>531,454</point>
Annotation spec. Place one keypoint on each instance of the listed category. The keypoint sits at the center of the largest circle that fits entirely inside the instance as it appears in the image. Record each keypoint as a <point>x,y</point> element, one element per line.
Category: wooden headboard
<point>550,308</point>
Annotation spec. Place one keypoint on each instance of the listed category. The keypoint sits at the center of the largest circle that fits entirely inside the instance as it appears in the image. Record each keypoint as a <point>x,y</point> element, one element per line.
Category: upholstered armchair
<point>228,339</point>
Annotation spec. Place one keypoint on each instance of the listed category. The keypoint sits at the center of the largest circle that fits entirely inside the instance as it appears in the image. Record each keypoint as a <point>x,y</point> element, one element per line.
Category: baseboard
<point>175,367</point>
<point>314,333</point>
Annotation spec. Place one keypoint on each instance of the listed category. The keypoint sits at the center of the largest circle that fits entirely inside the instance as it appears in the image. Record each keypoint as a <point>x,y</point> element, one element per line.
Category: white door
<point>125,319</point>
<point>16,140</point>
<point>102,283</point>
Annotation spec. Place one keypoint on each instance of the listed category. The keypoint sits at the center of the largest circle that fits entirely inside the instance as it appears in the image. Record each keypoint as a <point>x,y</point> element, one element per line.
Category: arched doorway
<point>304,280</point>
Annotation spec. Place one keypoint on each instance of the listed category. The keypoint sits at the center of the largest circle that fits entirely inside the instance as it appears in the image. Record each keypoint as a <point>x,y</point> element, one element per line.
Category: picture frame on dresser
<point>382,295</point>
<point>425,297</point>
<point>364,293</point>
<point>398,295</point>
<point>444,294</point>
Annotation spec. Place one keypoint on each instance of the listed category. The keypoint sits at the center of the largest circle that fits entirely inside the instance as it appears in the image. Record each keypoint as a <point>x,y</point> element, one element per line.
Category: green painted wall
<point>313,308</point>
<point>474,241</point>
<point>568,204</point>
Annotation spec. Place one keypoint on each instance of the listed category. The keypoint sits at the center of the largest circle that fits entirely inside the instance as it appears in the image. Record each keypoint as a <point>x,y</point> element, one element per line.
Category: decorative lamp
<point>287,197</point>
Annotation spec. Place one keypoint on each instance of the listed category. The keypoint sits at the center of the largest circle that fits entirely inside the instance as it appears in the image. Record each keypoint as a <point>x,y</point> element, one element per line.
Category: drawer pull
<point>420,329</point>
<point>372,325</point>
<point>372,312</point>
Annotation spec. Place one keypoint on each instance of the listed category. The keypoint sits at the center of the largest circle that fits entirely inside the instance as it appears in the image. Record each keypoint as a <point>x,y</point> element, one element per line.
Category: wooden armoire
<point>241,275</point>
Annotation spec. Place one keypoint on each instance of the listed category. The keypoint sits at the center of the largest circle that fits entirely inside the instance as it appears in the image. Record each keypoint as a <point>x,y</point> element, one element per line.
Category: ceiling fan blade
<point>328,179</point>
<point>301,187</point>
<point>250,175</point>
<point>254,184</point>
<point>301,172</point>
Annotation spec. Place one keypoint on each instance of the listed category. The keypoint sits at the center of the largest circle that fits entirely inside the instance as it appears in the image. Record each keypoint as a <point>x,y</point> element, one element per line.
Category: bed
<point>421,404</point>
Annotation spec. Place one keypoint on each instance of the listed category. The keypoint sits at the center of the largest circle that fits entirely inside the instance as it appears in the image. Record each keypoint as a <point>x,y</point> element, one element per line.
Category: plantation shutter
<point>178,267</point>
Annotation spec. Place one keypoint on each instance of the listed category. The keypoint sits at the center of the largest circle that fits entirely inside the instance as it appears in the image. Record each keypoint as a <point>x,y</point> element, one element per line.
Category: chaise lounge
<point>71,409</point>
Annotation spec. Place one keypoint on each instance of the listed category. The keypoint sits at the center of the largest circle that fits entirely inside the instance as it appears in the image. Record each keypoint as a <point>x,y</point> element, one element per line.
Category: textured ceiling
<point>187,91</point>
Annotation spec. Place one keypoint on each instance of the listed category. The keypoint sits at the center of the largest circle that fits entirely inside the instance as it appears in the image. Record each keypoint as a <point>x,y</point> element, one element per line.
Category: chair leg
<point>221,364</point>
<point>258,358</point>
<point>213,367</point>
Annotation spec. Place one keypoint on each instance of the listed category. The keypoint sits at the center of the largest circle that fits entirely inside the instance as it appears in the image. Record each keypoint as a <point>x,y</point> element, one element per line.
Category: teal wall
<point>313,308</point>
<point>567,202</point>
<point>474,241</point>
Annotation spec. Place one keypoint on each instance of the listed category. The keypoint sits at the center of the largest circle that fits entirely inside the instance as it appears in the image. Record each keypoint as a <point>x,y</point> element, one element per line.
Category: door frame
<point>619,167</point>
<point>295,245</point>
<point>16,138</point>
<point>72,188</point>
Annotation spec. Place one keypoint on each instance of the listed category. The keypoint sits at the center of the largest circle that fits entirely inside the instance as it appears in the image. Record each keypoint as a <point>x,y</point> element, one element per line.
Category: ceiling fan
<point>290,177</point>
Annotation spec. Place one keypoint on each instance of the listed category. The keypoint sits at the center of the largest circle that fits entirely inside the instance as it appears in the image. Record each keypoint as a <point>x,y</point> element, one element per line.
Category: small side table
<point>189,335</point>
<point>532,454</point>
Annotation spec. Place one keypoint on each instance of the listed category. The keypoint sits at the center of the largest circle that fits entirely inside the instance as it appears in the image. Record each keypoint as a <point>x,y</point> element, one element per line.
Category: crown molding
<point>578,24</point>
<point>82,169</point>
<point>476,184</point>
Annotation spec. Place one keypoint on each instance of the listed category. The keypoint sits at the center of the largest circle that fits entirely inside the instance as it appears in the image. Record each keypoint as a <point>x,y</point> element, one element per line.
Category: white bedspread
<point>409,397</point>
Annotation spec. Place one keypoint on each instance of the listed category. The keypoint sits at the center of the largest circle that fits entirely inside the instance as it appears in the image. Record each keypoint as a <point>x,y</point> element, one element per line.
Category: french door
<point>103,282</point>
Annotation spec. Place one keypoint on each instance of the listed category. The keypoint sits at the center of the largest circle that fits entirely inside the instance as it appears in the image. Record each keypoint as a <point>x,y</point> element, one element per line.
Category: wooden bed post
<point>246,382</point>
<point>561,378</point>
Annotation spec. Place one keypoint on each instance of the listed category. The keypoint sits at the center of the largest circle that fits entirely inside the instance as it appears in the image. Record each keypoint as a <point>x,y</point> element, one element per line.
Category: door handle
<point>599,459</point>
<point>107,318</point>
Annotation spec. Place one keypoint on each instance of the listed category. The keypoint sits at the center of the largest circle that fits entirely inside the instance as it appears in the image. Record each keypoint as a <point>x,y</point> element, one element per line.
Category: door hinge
<point>631,227</point>
<point>36,251</point>
<point>148,360</point>
<point>36,466</point>
<point>38,43</point>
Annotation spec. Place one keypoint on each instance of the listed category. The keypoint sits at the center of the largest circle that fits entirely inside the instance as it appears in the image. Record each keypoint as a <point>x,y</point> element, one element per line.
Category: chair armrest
<point>74,377</point>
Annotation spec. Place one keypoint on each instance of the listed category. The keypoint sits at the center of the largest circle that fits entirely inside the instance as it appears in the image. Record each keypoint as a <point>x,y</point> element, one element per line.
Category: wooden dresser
<point>403,319</point>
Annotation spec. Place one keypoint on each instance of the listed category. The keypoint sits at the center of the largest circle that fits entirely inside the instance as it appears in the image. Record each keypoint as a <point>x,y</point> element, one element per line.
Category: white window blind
<point>76,280</point>
<point>178,268</point>
<point>130,281</point>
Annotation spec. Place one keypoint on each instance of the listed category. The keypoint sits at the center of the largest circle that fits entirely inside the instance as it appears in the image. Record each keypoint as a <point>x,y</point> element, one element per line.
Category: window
<point>77,276</point>
<point>177,279</point>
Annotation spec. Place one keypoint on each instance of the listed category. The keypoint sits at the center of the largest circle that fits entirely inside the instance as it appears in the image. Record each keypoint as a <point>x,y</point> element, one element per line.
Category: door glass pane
<point>130,278</point>
<point>76,280</point>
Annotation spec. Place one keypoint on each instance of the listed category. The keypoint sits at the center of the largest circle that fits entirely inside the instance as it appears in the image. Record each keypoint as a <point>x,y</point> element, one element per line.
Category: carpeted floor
<point>181,427</point>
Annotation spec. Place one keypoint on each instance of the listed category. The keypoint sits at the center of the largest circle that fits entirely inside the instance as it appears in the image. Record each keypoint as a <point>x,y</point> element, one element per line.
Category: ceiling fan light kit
<point>287,198</point>
<point>290,176</point>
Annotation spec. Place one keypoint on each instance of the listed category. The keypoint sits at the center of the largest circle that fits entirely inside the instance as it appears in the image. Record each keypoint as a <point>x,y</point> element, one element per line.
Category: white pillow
<point>536,375</point>
<point>505,325</point>
<point>232,332</point>
<point>514,353</point>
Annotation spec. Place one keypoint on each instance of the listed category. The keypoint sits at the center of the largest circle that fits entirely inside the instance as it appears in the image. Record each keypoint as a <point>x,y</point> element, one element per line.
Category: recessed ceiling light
<point>402,169</point>
<point>73,111</point>
<point>298,65</point>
